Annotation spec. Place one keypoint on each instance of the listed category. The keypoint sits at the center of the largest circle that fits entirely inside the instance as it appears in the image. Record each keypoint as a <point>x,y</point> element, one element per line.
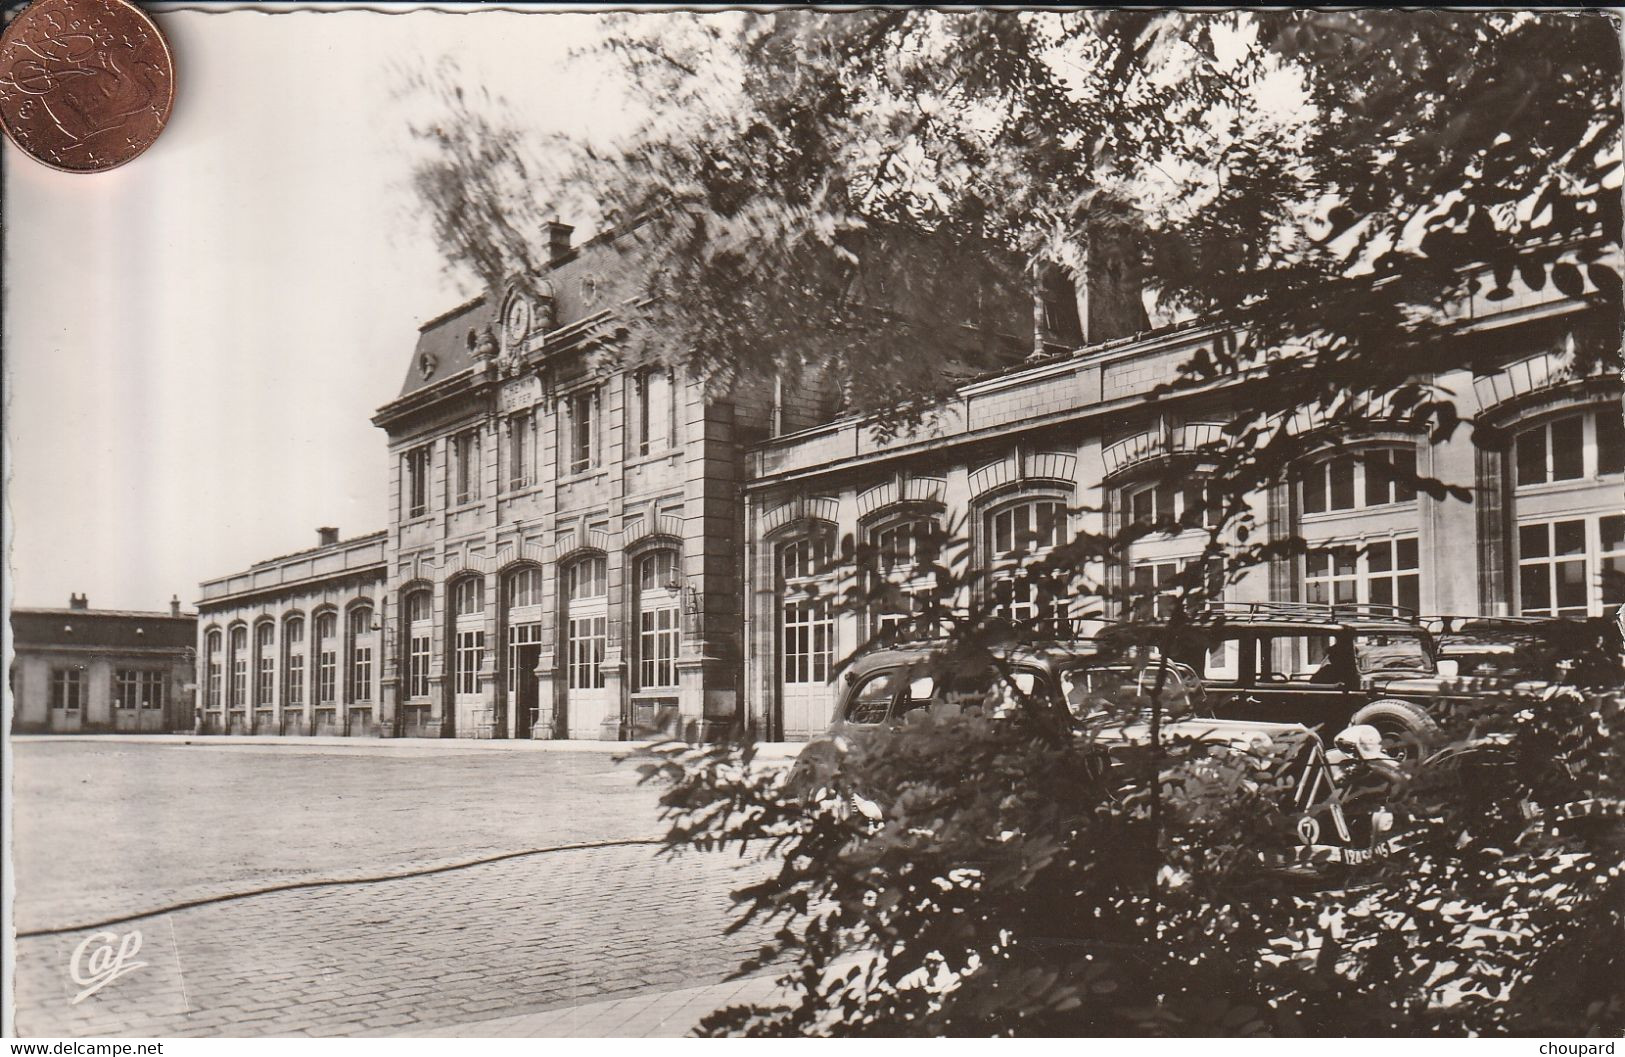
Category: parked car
<point>885,685</point>
<point>1527,654</point>
<point>1327,667</point>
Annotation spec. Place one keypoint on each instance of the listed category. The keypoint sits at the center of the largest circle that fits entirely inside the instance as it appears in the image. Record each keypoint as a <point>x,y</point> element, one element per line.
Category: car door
<point>1299,678</point>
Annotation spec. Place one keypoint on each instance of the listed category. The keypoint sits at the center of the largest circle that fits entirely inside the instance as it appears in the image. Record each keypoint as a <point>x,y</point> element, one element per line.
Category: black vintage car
<point>1528,654</point>
<point>1327,667</point>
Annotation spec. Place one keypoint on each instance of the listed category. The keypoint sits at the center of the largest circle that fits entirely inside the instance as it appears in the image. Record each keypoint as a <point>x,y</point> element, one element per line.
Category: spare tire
<point>1404,725</point>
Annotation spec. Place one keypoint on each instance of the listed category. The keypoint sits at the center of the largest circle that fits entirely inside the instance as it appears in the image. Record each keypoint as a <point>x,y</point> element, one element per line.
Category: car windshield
<point>1391,651</point>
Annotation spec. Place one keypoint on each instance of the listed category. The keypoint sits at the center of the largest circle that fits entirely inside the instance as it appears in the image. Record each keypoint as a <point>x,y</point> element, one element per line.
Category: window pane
<point>1407,554</point>
<point>1571,587</point>
<point>1382,591</point>
<point>1568,449</point>
<point>1410,593</point>
<point>1532,541</point>
<point>1378,486</point>
<point>1345,559</point>
<point>1404,461</point>
<point>1534,589</point>
<point>1314,489</point>
<point>1315,563</point>
<point>1532,456</point>
<point>1571,537</point>
<point>1612,530</point>
<point>1380,558</point>
<point>1613,581</point>
<point>1341,476</point>
<point>1610,441</point>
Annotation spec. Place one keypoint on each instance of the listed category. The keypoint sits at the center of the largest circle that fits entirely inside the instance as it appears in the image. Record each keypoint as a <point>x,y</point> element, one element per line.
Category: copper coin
<point>85,85</point>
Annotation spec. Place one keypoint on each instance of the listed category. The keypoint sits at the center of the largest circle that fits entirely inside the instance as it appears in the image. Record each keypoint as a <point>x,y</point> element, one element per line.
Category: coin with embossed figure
<point>85,85</point>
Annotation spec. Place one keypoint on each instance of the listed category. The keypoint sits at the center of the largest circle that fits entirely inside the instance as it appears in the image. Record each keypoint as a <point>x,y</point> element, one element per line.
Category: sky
<point>194,343</point>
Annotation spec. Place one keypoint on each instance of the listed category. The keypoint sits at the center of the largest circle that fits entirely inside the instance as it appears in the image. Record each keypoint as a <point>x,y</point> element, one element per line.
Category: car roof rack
<point>1446,623</point>
<point>1323,612</point>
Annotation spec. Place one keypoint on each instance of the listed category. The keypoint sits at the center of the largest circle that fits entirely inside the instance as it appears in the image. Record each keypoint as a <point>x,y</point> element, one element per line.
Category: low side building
<point>83,670</point>
<point>293,645</point>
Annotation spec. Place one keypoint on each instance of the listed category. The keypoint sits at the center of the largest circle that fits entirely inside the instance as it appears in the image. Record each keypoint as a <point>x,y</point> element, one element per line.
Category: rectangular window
<point>657,648</point>
<point>1571,567</point>
<point>126,688</point>
<point>465,467</point>
<point>520,635</point>
<point>67,688</point>
<point>1383,573</point>
<point>586,652</point>
<point>239,676</point>
<point>152,690</point>
<point>1610,441</point>
<point>656,413</point>
<point>521,440</point>
<point>468,657</point>
<point>265,670</point>
<point>416,464</point>
<point>296,680</point>
<point>580,445</point>
<point>327,670</point>
<point>809,640</point>
<point>361,672</point>
<point>417,677</point>
<point>216,676</point>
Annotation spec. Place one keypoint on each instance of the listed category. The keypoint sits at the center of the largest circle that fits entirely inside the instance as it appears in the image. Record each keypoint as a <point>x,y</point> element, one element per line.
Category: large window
<point>1158,502</point>
<point>293,649</point>
<point>213,672</point>
<point>239,667</point>
<point>1385,572</point>
<point>327,658</point>
<point>1571,566</point>
<point>586,589</point>
<point>525,587</point>
<point>659,605</point>
<point>521,451</point>
<point>264,664</point>
<point>905,587</point>
<point>468,640</point>
<point>806,627</point>
<point>1344,482</point>
<point>1019,536</point>
<point>1155,585</point>
<point>419,636</point>
<point>362,639</point>
<point>580,443</point>
<point>68,688</point>
<point>655,420</point>
<point>415,467</point>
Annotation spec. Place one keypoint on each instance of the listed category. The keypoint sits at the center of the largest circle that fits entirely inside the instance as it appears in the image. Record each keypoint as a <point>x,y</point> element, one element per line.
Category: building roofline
<point>350,541</point>
<point>143,614</point>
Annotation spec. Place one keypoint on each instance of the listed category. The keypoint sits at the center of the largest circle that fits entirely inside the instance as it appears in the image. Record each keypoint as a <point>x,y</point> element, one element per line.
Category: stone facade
<point>83,670</point>
<point>1072,443</point>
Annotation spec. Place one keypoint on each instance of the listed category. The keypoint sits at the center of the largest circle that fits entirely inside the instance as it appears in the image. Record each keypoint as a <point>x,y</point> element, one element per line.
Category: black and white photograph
<point>528,521</point>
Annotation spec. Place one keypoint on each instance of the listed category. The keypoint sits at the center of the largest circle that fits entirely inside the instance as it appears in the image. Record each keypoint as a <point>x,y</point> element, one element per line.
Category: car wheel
<point>1404,726</point>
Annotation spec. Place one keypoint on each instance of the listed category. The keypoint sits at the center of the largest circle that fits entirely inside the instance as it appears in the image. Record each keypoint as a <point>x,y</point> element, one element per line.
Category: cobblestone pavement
<point>107,829</point>
<point>403,956</point>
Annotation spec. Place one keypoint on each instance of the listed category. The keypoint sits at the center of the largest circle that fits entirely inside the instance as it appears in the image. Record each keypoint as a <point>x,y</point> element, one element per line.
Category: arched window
<point>1016,537</point>
<point>293,664</point>
<point>265,665</point>
<point>1359,522</point>
<point>239,667</point>
<point>659,604</point>
<point>419,607</point>
<point>525,587</point>
<point>903,590</point>
<point>327,659</point>
<point>363,640</point>
<point>214,666</point>
<point>1570,532</point>
<point>468,635</point>
<point>586,618</point>
<point>807,630</point>
<point>468,597</point>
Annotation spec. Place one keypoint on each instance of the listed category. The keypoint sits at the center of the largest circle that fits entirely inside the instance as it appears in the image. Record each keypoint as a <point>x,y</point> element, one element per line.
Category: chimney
<point>558,239</point>
<point>326,536</point>
<point>78,602</point>
<point>174,605</point>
